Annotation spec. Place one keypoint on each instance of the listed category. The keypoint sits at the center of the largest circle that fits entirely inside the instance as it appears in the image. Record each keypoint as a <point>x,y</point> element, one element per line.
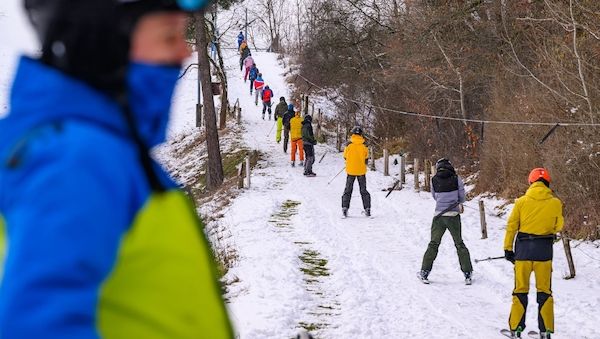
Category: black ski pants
<point>309,151</point>
<point>362,184</point>
<point>286,138</point>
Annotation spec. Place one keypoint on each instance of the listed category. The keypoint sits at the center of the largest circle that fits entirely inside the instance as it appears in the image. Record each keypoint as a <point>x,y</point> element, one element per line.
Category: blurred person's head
<point>96,40</point>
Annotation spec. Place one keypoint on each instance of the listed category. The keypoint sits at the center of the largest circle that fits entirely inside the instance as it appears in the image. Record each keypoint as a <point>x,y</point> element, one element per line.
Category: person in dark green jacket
<point>309,142</point>
<point>100,242</point>
<point>280,110</point>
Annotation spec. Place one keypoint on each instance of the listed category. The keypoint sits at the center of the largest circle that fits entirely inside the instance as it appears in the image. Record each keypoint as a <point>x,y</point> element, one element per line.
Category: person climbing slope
<point>280,110</point>
<point>259,85</point>
<point>356,155</point>
<point>266,96</point>
<point>296,136</point>
<point>287,116</point>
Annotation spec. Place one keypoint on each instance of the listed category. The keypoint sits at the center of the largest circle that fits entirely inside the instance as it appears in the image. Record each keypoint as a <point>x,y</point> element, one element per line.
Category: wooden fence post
<point>241,172</point>
<point>248,171</point>
<point>416,173</point>
<point>386,163</point>
<point>305,105</point>
<point>402,168</point>
<point>372,159</point>
<point>319,136</point>
<point>482,220</point>
<point>569,255</point>
<point>427,169</point>
<point>198,115</point>
<point>338,141</point>
<point>239,115</point>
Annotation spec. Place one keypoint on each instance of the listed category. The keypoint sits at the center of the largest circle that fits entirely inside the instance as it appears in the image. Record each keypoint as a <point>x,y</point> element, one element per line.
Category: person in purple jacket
<point>448,190</point>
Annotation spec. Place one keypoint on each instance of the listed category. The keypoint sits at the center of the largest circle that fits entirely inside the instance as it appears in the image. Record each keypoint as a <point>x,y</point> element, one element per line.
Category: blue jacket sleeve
<point>64,221</point>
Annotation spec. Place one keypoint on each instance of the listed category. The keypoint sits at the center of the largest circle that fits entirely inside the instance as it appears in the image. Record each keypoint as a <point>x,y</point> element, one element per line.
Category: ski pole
<point>323,156</point>
<point>393,188</point>
<point>488,259</point>
<point>335,176</point>
<point>271,130</point>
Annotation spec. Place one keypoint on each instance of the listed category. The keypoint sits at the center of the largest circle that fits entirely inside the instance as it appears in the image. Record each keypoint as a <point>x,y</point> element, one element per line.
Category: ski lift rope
<point>498,122</point>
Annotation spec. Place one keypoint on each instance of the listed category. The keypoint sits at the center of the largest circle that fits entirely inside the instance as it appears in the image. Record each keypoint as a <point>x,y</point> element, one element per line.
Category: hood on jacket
<point>357,139</point>
<point>539,191</point>
<point>291,107</point>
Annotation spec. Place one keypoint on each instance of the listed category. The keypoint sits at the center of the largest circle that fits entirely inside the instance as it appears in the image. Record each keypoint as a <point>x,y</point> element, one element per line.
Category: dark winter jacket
<point>447,189</point>
<point>308,138</point>
<point>287,116</point>
<point>245,53</point>
<point>280,109</point>
<point>253,74</point>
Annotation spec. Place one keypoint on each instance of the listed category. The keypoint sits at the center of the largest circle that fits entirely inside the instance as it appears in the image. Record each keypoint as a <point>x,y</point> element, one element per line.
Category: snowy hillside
<point>301,265</point>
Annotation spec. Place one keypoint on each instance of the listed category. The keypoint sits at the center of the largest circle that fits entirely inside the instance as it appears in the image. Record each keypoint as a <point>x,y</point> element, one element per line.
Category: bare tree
<point>214,168</point>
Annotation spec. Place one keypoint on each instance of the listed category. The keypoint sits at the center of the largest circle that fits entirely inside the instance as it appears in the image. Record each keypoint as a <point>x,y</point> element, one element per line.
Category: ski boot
<point>423,274</point>
<point>545,335</point>
<point>269,116</point>
<point>345,212</point>
<point>301,163</point>
<point>293,164</point>
<point>311,174</point>
<point>468,278</point>
<point>367,212</point>
<point>263,116</point>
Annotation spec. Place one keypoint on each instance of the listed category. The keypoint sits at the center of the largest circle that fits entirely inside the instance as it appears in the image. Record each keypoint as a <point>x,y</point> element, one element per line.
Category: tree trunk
<point>214,168</point>
<point>224,88</point>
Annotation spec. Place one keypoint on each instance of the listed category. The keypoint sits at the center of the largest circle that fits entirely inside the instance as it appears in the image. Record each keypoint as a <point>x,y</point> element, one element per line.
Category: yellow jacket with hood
<point>296,127</point>
<point>356,154</point>
<point>538,212</point>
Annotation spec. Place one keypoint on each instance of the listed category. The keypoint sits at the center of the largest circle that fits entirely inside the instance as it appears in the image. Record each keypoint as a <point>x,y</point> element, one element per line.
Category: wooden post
<point>319,137</point>
<point>482,220</point>
<point>569,255</point>
<point>386,163</point>
<point>427,169</point>
<point>239,115</point>
<point>338,141</point>
<point>247,171</point>
<point>301,103</point>
<point>402,169</point>
<point>305,105</point>
<point>198,115</point>
<point>372,158</point>
<point>241,175</point>
<point>312,109</point>
<point>416,173</point>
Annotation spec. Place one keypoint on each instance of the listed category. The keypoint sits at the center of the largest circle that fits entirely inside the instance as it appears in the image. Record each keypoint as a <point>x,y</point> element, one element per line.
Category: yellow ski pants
<point>543,282</point>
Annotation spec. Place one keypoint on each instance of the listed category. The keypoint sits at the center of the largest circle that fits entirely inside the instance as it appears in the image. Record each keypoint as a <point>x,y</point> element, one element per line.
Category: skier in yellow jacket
<point>535,220</point>
<point>356,154</point>
<point>296,136</point>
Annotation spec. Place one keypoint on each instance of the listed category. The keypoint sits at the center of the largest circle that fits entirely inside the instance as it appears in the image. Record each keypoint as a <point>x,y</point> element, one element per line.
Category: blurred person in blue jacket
<point>98,241</point>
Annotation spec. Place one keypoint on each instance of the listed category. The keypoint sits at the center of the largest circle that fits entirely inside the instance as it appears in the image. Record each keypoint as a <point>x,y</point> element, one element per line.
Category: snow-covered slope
<point>301,265</point>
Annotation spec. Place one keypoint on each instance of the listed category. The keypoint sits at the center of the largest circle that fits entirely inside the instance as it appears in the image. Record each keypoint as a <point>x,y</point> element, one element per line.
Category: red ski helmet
<point>538,174</point>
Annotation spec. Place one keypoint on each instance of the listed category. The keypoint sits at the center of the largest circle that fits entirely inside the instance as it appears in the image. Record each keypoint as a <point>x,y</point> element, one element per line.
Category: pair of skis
<point>530,334</point>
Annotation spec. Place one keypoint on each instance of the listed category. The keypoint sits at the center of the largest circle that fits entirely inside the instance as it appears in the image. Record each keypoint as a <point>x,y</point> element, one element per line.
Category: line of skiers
<point>532,226</point>
<point>252,73</point>
<point>299,130</point>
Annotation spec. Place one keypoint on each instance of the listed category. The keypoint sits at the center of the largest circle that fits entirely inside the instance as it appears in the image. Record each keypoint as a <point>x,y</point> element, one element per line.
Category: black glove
<point>510,256</point>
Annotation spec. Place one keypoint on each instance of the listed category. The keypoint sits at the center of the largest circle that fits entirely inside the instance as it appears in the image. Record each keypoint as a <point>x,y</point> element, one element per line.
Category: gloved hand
<point>509,255</point>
